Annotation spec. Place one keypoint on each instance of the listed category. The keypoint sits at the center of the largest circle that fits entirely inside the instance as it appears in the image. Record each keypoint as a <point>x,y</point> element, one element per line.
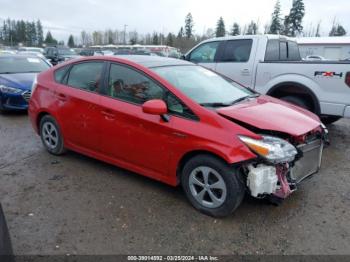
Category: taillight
<point>35,82</point>
<point>347,79</point>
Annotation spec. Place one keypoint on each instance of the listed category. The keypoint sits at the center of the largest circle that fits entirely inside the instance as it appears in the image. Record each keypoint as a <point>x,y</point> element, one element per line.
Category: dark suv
<point>59,54</point>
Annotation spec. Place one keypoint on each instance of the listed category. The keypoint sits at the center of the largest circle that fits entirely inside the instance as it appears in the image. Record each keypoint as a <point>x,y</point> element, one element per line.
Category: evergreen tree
<point>337,30</point>
<point>276,24</point>
<point>181,33</point>
<point>49,39</point>
<point>293,22</point>
<point>155,39</point>
<point>220,28</point>
<point>252,28</point>
<point>39,33</point>
<point>236,30</point>
<point>170,39</point>
<point>189,25</point>
<point>71,41</point>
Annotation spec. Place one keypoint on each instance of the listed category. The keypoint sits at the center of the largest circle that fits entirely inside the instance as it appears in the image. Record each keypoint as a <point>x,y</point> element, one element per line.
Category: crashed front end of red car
<point>288,151</point>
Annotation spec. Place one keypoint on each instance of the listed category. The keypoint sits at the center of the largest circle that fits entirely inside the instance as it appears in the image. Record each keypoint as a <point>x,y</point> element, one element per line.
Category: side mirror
<point>155,107</point>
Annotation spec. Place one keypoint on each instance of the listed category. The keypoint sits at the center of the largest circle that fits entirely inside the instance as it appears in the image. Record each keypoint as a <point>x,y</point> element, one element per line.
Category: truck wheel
<point>327,120</point>
<point>212,186</point>
<point>51,136</point>
<point>298,101</point>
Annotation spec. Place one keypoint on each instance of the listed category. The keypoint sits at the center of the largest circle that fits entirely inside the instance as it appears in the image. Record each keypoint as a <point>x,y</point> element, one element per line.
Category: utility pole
<point>125,34</point>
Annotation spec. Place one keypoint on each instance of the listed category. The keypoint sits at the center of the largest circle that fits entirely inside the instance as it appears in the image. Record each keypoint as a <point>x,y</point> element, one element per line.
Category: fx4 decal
<point>328,74</point>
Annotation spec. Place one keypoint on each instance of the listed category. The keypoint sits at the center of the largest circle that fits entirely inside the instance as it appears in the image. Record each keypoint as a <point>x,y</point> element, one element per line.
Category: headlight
<point>273,149</point>
<point>10,90</point>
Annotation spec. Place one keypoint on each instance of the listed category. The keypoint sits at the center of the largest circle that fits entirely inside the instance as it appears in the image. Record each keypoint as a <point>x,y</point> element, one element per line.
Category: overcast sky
<point>64,17</point>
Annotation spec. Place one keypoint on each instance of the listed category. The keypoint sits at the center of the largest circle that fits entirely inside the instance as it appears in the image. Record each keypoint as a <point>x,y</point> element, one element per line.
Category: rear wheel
<point>212,186</point>
<point>51,136</point>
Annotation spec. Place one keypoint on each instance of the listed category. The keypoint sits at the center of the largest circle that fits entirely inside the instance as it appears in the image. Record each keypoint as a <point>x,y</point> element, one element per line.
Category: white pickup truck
<point>272,65</point>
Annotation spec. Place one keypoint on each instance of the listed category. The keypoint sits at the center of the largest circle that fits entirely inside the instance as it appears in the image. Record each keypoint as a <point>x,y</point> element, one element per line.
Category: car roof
<point>154,61</point>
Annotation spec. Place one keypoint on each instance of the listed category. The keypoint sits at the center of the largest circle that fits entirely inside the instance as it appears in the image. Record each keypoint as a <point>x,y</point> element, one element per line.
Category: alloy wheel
<point>50,135</point>
<point>207,187</point>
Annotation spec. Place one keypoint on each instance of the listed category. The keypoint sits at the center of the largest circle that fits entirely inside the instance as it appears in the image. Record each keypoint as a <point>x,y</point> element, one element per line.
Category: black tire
<point>298,101</point>
<point>232,178</point>
<point>56,148</point>
<point>327,120</point>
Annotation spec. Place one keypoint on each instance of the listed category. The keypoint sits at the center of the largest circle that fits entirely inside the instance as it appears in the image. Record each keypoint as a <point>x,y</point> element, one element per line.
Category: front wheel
<point>212,186</point>
<point>51,136</point>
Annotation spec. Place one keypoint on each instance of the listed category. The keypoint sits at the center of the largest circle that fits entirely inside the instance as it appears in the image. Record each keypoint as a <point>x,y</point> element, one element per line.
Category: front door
<point>138,140</point>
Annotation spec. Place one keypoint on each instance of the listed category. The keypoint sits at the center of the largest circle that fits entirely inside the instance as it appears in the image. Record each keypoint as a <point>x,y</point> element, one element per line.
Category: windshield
<point>203,85</point>
<point>66,52</point>
<point>12,65</point>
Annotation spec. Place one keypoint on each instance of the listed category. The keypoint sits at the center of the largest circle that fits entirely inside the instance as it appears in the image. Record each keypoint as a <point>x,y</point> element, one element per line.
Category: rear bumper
<point>14,101</point>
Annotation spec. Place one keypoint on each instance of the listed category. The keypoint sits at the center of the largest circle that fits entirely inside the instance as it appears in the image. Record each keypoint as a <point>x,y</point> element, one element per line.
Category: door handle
<point>61,97</point>
<point>245,72</point>
<point>108,114</point>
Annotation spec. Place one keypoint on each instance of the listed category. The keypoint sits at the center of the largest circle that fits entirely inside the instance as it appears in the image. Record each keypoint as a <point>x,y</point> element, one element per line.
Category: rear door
<point>78,104</point>
<point>236,61</point>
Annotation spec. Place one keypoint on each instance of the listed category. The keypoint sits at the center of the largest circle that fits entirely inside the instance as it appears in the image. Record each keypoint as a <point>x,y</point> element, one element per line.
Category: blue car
<point>17,73</point>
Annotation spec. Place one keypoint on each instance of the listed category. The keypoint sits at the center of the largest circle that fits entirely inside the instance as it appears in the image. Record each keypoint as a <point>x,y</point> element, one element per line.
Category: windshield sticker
<point>33,60</point>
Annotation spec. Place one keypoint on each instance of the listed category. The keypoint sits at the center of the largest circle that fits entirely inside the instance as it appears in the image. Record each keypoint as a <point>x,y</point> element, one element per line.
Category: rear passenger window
<point>86,76</point>
<point>131,86</point>
<point>272,51</point>
<point>60,74</point>
<point>237,51</point>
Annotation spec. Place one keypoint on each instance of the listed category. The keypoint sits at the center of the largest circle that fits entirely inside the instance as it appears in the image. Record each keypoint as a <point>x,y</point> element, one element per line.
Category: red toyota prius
<point>178,123</point>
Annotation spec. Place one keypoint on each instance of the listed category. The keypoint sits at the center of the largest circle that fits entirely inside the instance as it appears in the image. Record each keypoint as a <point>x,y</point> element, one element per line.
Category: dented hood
<point>268,113</point>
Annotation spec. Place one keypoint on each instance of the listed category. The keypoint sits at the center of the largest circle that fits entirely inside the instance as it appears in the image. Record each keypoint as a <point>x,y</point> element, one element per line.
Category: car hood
<point>21,80</point>
<point>268,113</point>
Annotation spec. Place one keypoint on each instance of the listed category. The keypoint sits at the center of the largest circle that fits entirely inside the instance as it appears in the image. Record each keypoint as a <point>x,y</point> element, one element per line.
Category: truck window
<point>293,51</point>
<point>237,51</point>
<point>204,53</point>
<point>272,51</point>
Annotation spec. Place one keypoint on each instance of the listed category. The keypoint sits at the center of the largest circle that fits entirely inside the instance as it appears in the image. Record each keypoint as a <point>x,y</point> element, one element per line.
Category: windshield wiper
<point>220,104</point>
<point>244,98</point>
<point>7,73</point>
<point>215,104</point>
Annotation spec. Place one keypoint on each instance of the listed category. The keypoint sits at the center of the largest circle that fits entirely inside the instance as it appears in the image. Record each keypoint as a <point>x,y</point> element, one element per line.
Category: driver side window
<point>204,53</point>
<point>131,86</point>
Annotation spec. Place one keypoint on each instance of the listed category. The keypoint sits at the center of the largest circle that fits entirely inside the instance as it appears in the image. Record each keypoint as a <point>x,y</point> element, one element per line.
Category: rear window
<point>20,64</point>
<point>237,51</point>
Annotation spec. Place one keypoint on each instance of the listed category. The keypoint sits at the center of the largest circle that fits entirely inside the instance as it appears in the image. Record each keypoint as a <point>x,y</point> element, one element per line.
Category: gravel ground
<point>77,205</point>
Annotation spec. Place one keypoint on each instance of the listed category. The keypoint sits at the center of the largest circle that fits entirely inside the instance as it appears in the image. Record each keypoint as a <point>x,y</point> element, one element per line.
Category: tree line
<point>30,33</point>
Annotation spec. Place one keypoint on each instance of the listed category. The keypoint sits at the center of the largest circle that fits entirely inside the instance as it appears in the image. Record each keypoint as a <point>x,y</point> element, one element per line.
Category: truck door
<point>236,61</point>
